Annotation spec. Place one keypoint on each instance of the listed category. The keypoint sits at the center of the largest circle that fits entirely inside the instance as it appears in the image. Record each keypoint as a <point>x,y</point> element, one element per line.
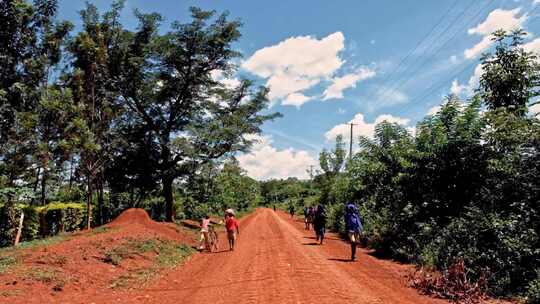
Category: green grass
<point>11,293</point>
<point>168,255</point>
<point>6,262</point>
<point>46,276</point>
<point>37,243</point>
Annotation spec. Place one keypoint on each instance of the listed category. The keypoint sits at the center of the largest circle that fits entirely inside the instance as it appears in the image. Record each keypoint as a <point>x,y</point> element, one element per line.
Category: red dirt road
<point>276,262</point>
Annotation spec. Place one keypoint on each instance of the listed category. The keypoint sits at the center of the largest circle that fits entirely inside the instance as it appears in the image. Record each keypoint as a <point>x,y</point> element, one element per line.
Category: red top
<point>231,224</point>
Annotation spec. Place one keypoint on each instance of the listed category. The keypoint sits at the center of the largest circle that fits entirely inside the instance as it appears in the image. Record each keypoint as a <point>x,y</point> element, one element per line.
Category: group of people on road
<point>316,216</point>
<point>209,236</point>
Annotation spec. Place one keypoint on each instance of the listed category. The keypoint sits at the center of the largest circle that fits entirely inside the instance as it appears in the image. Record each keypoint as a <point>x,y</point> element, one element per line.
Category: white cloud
<point>339,84</point>
<point>385,96</point>
<point>297,63</point>
<point>265,162</point>
<point>433,110</point>
<point>361,127</point>
<point>453,59</point>
<point>497,19</point>
<point>457,88</point>
<point>228,82</point>
<point>468,88</point>
<point>535,109</point>
<point>533,46</point>
<point>296,99</point>
<point>536,2</point>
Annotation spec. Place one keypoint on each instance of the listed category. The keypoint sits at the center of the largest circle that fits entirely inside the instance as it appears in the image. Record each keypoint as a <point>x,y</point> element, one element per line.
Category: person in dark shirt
<point>319,223</point>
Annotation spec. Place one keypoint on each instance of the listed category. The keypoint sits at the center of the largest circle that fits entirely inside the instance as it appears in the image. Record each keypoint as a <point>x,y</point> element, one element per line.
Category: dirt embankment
<point>129,252</point>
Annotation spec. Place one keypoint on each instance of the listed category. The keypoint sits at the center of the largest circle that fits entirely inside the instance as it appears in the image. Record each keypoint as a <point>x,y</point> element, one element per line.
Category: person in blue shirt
<point>353,226</point>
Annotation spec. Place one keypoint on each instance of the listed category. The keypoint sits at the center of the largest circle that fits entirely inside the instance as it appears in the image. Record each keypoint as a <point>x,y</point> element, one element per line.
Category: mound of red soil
<point>74,268</point>
<point>132,216</point>
<point>139,217</point>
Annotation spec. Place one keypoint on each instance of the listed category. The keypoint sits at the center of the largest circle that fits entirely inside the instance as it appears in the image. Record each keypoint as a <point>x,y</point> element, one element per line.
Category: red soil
<point>276,261</point>
<point>77,265</point>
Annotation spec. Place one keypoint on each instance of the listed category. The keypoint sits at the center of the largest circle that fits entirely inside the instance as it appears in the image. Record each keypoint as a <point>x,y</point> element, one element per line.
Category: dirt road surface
<point>277,261</point>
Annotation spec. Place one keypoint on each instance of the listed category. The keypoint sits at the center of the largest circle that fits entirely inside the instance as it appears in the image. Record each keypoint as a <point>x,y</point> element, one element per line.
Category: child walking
<point>353,226</point>
<point>231,224</point>
<point>205,223</point>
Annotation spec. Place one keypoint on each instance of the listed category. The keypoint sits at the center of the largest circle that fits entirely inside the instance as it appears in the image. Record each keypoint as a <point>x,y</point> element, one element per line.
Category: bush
<point>9,219</point>
<point>61,217</point>
<point>533,290</point>
<point>30,228</point>
<point>491,245</point>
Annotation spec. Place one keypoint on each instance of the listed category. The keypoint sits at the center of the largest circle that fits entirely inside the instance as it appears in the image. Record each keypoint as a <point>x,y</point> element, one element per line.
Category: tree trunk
<point>89,204</point>
<point>70,172</point>
<point>100,201</point>
<point>169,199</point>
<point>44,187</point>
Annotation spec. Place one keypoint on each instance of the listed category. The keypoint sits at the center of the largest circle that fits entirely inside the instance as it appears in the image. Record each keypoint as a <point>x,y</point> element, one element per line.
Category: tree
<point>510,77</point>
<point>168,88</point>
<point>30,47</point>
<point>97,52</point>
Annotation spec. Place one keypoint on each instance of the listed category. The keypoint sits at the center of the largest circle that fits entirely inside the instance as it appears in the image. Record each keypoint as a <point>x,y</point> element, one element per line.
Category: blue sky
<point>328,63</point>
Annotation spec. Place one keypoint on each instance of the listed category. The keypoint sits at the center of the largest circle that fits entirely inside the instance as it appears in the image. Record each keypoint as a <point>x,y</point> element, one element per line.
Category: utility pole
<point>351,141</point>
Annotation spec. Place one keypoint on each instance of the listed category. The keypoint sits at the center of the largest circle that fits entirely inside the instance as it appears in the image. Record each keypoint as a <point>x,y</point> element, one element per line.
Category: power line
<point>440,84</point>
<point>436,52</point>
<point>389,76</point>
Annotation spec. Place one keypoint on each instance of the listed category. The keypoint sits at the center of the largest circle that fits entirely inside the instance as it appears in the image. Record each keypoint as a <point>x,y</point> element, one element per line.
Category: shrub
<point>61,217</point>
<point>9,219</point>
<point>533,290</point>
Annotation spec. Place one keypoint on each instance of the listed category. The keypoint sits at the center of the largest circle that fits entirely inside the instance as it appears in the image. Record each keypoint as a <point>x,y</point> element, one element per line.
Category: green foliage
<point>168,254</point>
<point>511,74</point>
<point>61,217</point>
<point>532,295</point>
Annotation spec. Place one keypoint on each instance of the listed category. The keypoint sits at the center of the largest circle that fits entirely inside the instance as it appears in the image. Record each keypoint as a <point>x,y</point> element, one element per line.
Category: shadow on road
<point>311,244</point>
<point>221,251</point>
<point>340,260</point>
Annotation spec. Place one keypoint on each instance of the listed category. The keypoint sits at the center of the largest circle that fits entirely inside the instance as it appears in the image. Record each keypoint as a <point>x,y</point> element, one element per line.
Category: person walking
<point>205,223</point>
<point>231,224</point>
<point>291,210</point>
<point>306,215</point>
<point>319,223</point>
<point>353,225</point>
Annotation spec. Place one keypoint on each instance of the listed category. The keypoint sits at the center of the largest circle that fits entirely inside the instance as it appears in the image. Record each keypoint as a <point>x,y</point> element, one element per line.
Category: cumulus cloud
<point>497,19</point>
<point>533,46</point>
<point>228,82</point>
<point>535,109</point>
<point>433,110</point>
<point>467,89</point>
<point>266,162</point>
<point>297,63</point>
<point>457,88</point>
<point>339,84</point>
<point>296,99</point>
<point>362,127</point>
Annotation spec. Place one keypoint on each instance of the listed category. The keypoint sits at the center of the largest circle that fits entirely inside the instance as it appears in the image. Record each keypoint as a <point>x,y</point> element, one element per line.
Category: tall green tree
<point>97,52</point>
<point>511,74</point>
<point>168,87</point>
<point>30,49</point>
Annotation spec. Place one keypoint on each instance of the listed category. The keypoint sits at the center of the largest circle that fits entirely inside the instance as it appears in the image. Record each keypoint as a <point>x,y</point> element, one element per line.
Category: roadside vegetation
<point>105,119</point>
<point>460,197</point>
